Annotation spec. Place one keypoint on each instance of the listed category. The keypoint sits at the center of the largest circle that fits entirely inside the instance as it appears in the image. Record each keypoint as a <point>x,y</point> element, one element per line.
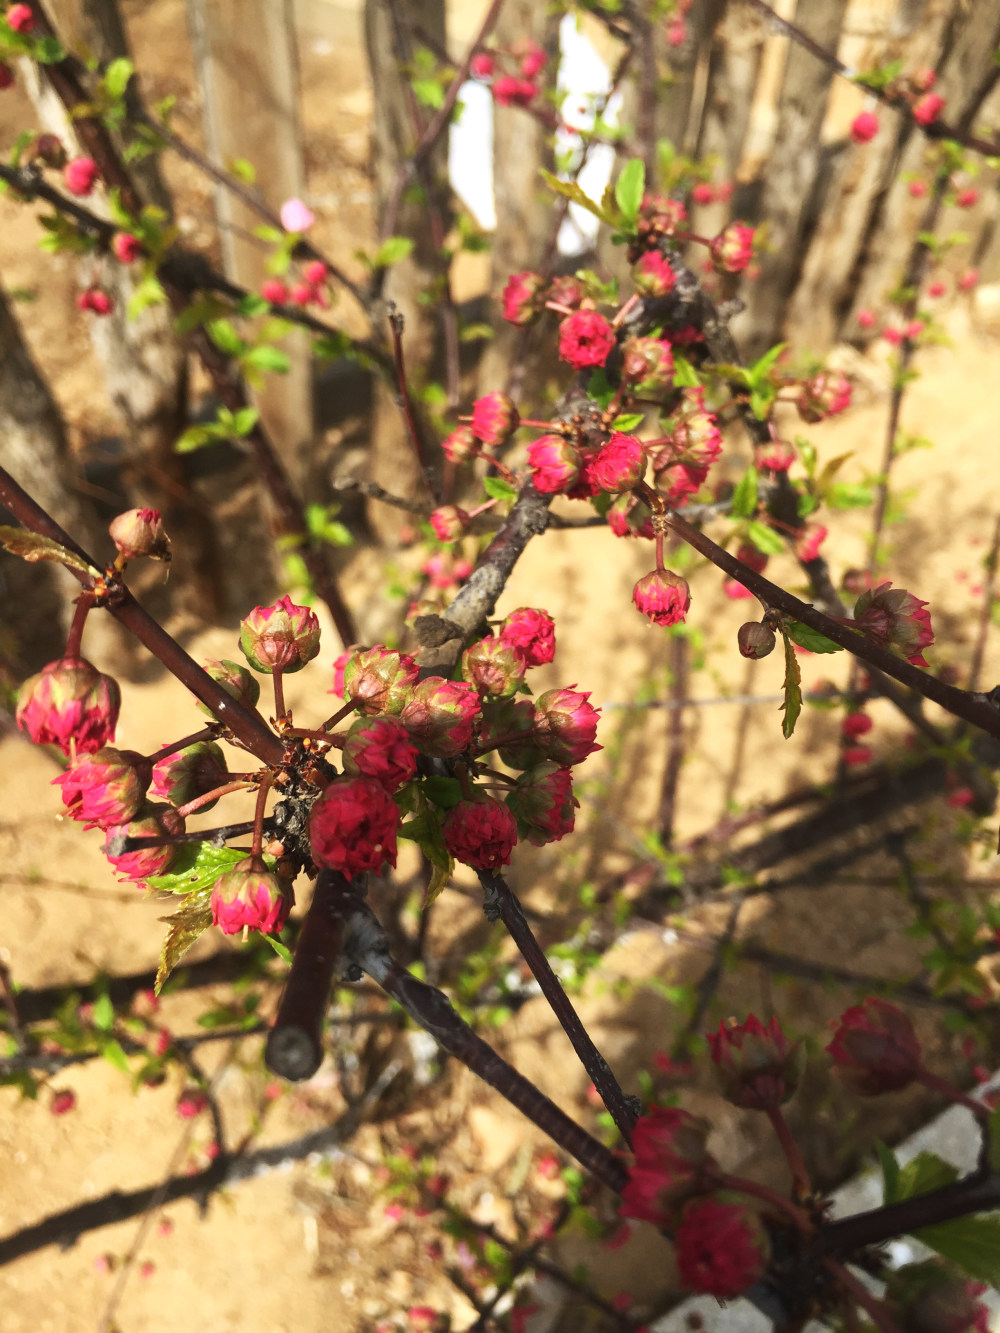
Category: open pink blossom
<point>721,1246</point>
<point>480,833</point>
<point>662,596</point>
<point>585,339</point>
<point>296,216</point>
<point>532,633</point>
<point>352,826</point>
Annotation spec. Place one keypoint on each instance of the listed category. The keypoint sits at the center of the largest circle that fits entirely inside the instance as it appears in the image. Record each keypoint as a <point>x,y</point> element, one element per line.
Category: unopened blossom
<point>95,300</point>
<point>585,339</point>
<point>21,18</point>
<point>543,803</point>
<point>380,748</point>
<point>566,725</point>
<point>927,108</point>
<point>662,214</point>
<point>532,634</point>
<point>494,667</point>
<point>69,704</point>
<point>352,826</point>
<point>450,523</point>
<point>566,290</point>
<point>62,1102</point>
<point>480,833</point>
<point>683,481</point>
<point>235,679</point>
<point>695,438</point>
<point>968,280</point>
<point>875,1048</point>
<point>296,216</point>
<point>508,90</point>
<point>757,1067</point>
<point>440,716</point>
<point>933,1297</point>
<point>732,249</point>
<point>189,773</point>
<point>494,418</point>
<point>662,596</point>
<point>755,640</point>
<point>249,897</point>
<point>105,788</point>
<point>521,298</point>
<point>126,247</point>
<point>917,189</point>
<point>620,464</point>
<point>825,395</point>
<point>648,365</point>
<point>80,175</point>
<point>653,275</point>
<point>967,198</point>
<point>460,445</point>
<point>721,1246</point>
<point>672,1162</point>
<point>534,59</point>
<point>509,724</point>
<point>629,517</point>
<point>777,456</point>
<point>894,618</point>
<point>274,290</point>
<point>140,532</point>
<point>482,65</point>
<point>282,637</point>
<point>191,1103</point>
<point>554,463</point>
<point>315,273</point>
<point>856,756</point>
<point>855,725</point>
<point>379,680</point>
<point>142,863</point>
<point>864,127</point>
<point>809,540</point>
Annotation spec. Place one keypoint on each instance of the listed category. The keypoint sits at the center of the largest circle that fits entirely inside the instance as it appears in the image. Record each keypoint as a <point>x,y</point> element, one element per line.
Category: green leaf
<point>571,191</point>
<point>196,869</point>
<point>428,92</point>
<point>115,1056</point>
<point>266,357</point>
<point>757,373</point>
<point>149,291</point>
<point>195,437</point>
<point>849,495</point>
<point>890,1172</point>
<point>685,375</point>
<point>251,305</point>
<point>391,251</point>
<point>630,187</point>
<point>116,77</point>
<point>445,792</point>
<point>744,502</point>
<point>971,1243</point>
<point>629,421</point>
<point>599,389</point>
<point>225,337</point>
<point>810,638</point>
<point>282,950</point>
<point>184,927</point>
<point>761,400</point>
<point>104,1013</point>
<point>32,547</point>
<point>792,705</point>
<point>498,489</point>
<point>476,333</point>
<point>245,420</point>
<point>924,1173</point>
<point>243,170</point>
<point>48,51</point>
<point>766,540</point>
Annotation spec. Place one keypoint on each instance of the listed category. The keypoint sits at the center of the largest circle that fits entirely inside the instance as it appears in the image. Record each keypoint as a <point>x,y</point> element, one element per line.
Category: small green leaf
<point>428,92</point>
<point>571,191</point>
<point>498,489</point>
<point>629,421</point>
<point>685,375</point>
<point>391,251</point>
<point>251,305</point>
<point>197,867</point>
<point>32,547</point>
<point>792,705</point>
<point>104,1014</point>
<point>195,437</point>
<point>630,187</point>
<point>116,77</point>
<point>245,420</point>
<point>225,337</point>
<point>282,950</point>
<point>758,373</point>
<point>48,51</point>
<point>599,389</point>
<point>445,792</point>
<point>266,357</point>
<point>766,540</point>
<point>971,1243</point>
<point>810,638</point>
<point>475,333</point>
<point>184,927</point>
<point>924,1173</point>
<point>243,170</point>
<point>849,495</point>
<point>744,502</point>
<point>115,1056</point>
<point>890,1172</point>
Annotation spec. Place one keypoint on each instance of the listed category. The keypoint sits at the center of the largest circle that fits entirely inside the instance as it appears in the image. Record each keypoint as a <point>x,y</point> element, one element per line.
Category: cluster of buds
<point>96,300</point>
<point>517,84</point>
<point>309,290</point>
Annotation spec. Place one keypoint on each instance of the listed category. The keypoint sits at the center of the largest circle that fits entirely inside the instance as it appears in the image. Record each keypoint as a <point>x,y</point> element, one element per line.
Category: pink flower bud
<point>653,275</point>
<point>190,773</point>
<point>295,216</point>
<point>779,457</point>
<point>96,301</point>
<point>732,249</point>
<point>703,193</point>
<point>151,821</point>
<point>440,714</point>
<point>249,897</point>
<point>672,1162</point>
<point>864,127</point>
<point>543,803</point>
<point>65,1100</point>
<point>493,667</point>
<point>695,438</point>
<point>855,725</point>
<point>80,175</point>
<point>967,198</point>
<point>565,290</point>
<point>511,91</point>
<point>927,109</point>
<point>917,189</point>
<point>585,339</point>
<point>865,318</point>
<point>722,1247</point>
<point>236,680</point>
<point>825,395</point>
<point>21,18</point>
<point>521,298</point>
<point>875,1048</point>
<point>565,725</point>
<point>554,462</point>
<point>856,756</point>
<point>662,214</point>
<point>482,65</point>
<point>450,523</point>
<point>648,365</point>
<point>274,290</point>
<point>69,704</point>
<point>480,833</point>
<point>756,1066</point>
<point>283,637</point>
<point>894,618</point>
<point>105,788</point>
<point>191,1103</point>
<point>494,419</point>
<point>620,464</point>
<point>936,290</point>
<point>380,748</point>
<point>352,826</point>
<point>809,541</point>
<point>968,280</point>
<point>139,532</point>
<point>531,633</point>
<point>755,639</point>
<point>315,273</point>
<point>663,597</point>
<point>533,61</point>
<point>460,445</point>
<point>379,680</point>
<point>126,247</point>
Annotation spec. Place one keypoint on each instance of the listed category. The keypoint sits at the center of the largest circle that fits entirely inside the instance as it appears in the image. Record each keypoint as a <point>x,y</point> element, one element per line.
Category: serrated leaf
<point>792,705</point>
<point>184,927</point>
<point>599,389</point>
<point>104,1013</point>
<point>571,191</point>
<point>115,1056</point>
<point>439,877</point>
<point>971,1243</point>
<point>628,422</point>
<point>810,638</point>
<point>889,1167</point>
<point>766,540</point>
<point>197,867</point>
<point>744,502</point>
<point>268,358</point>
<point>391,251</point>
<point>630,187</point>
<point>498,489</point>
<point>32,547</point>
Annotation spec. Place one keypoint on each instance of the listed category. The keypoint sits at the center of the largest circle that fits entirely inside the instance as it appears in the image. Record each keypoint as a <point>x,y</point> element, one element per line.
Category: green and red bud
<point>543,803</point>
<point>190,773</point>
<point>283,637</point>
<point>250,897</point>
<point>494,667</point>
<point>236,680</point>
<point>662,596</point>
<point>379,680</point>
<point>440,715</point>
<point>105,788</point>
<point>69,704</point>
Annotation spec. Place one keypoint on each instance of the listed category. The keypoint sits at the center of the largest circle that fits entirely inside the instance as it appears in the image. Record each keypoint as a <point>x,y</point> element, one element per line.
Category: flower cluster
<point>521,65</point>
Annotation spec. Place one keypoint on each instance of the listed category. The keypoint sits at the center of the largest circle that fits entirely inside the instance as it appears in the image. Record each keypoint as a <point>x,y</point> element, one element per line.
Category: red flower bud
<point>380,748</point>
<point>648,365</point>
<point>139,532</point>
<point>283,637</point>
<point>189,773</point>
<point>756,1066</point>
<point>126,247</point>
<point>249,897</point>
<point>494,667</point>
<point>494,418</point>
<point>585,339</point>
<point>543,803</point>
<point>274,290</point>
<point>480,833</point>
<point>672,1162</point>
<point>825,395</point>
<point>152,821</point>
<point>555,464</point>
<point>532,634</point>
<point>722,1247</point>
<point>565,725</point>
<point>927,108</point>
<point>482,65</point>
<point>460,445</point>
<point>379,680</point>
<point>894,618</point>
<point>105,788</point>
<point>21,18</point>
<point>352,826</point>
<point>236,680</point>
<point>521,298</point>
<point>755,639</point>
<point>69,704</point>
<point>732,249</point>
<point>619,465</point>
<point>653,275</point>
<point>662,214</point>
<point>450,523</point>
<point>864,127</point>
<point>875,1048</point>
<point>663,597</point>
<point>62,1101</point>
<point>440,714</point>
<point>511,91</point>
<point>80,175</point>
<point>855,725</point>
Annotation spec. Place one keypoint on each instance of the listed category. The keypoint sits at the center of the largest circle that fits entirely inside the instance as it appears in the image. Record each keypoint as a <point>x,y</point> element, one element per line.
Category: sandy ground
<point>318,1247</point>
